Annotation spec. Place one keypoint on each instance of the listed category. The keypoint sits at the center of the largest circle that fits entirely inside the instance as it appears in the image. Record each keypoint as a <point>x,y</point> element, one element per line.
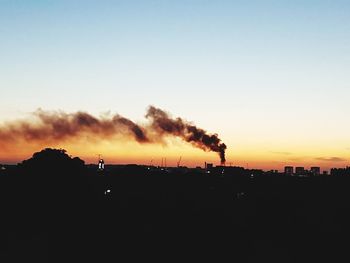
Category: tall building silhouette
<point>315,170</point>
<point>299,170</point>
<point>288,170</point>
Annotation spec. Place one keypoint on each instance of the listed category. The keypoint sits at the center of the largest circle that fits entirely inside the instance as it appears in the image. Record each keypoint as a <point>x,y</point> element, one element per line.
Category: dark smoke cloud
<point>60,126</point>
<point>138,131</point>
<point>165,125</point>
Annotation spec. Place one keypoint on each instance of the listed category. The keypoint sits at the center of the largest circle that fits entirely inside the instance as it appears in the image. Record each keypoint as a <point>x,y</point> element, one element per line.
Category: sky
<point>269,77</point>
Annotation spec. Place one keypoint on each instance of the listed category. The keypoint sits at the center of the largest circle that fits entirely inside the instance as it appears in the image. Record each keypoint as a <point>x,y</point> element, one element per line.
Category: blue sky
<point>244,69</point>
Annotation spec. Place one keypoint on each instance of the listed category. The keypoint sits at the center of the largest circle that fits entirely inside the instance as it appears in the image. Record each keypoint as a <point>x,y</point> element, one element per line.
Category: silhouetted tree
<point>52,162</point>
<point>52,177</point>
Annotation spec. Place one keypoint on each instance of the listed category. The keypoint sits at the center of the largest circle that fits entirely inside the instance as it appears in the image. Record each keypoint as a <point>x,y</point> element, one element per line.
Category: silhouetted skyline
<point>162,165</point>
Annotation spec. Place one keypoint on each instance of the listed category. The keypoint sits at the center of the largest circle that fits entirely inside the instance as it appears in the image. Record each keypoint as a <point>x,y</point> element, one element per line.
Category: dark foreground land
<point>142,215</point>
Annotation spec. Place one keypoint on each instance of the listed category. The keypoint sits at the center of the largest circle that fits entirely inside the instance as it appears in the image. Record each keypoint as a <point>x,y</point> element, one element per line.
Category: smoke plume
<point>59,126</point>
<point>165,125</point>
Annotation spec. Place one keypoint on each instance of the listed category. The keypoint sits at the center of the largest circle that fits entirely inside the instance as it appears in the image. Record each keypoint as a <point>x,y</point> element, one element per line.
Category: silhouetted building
<point>315,170</point>
<point>209,166</point>
<point>340,171</point>
<point>288,170</point>
<point>299,170</point>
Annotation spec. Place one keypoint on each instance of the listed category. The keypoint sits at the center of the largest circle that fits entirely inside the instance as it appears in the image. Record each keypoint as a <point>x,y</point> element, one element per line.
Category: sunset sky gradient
<point>270,77</point>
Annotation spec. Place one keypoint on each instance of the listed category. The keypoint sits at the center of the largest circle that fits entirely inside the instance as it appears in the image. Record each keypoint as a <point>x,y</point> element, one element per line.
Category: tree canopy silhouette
<point>52,162</point>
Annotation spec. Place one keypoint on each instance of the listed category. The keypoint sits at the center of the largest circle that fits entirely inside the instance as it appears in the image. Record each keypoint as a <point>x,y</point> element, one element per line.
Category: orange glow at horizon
<point>122,151</point>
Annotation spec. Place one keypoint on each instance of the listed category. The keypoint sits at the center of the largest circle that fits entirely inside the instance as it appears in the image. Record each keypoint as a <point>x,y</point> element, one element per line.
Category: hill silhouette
<point>52,162</point>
